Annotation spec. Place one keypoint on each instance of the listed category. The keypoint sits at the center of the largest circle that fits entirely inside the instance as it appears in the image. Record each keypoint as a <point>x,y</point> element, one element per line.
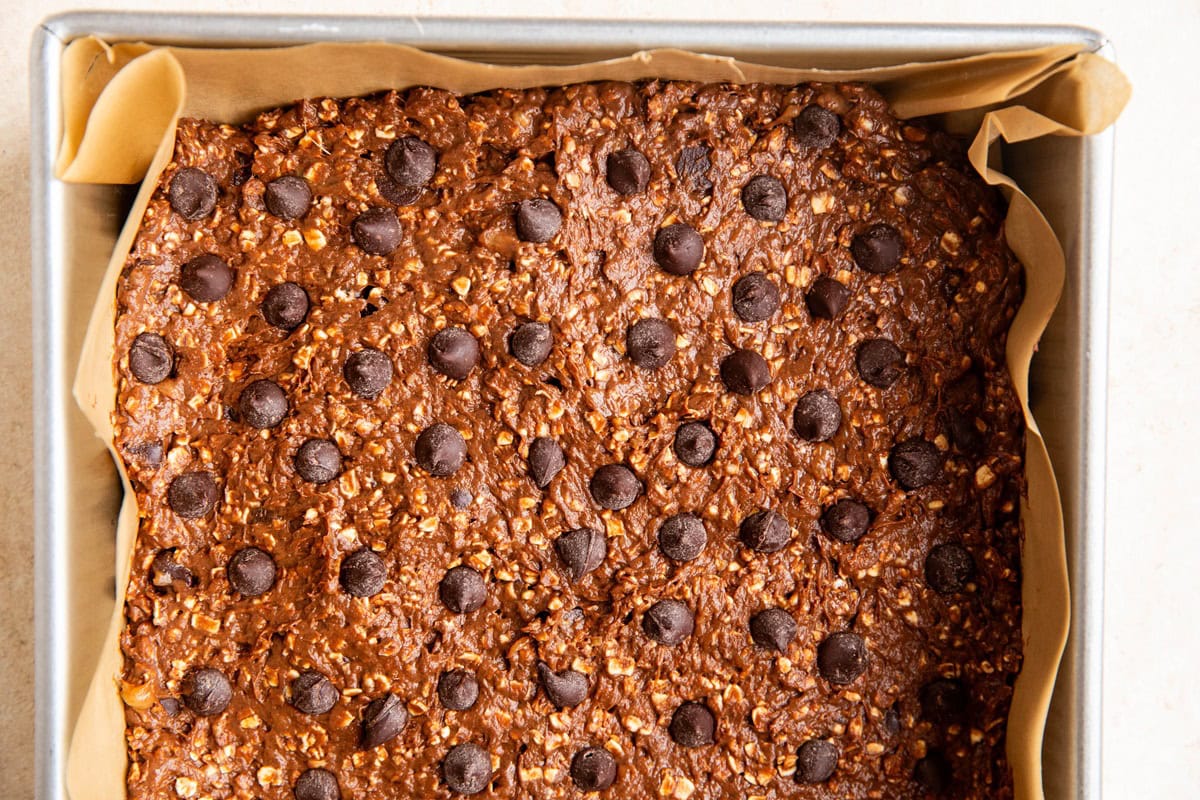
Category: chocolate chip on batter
<point>316,784</point>
<point>614,486</point>
<point>650,343</point>
<point>564,689</point>
<point>193,494</point>
<point>454,352</point>
<point>891,721</point>
<point>627,171</point>
<point>816,127</point>
<point>682,537</point>
<point>765,199</point>
<point>678,249</point>
<point>382,720</point>
<point>251,571</point>
<point>531,343</point>
<point>285,306</point>
<point>755,297</point>
<point>944,701</point>
<point>288,197</point>
<point>963,433</point>
<point>593,769</point>
<point>879,362</point>
<point>461,498</point>
<point>546,459</point>
<point>462,590</point>
<point>693,725</point>
<point>932,773</point>
<point>842,657</point>
<point>167,573</point>
<point>668,622</point>
<point>538,220</point>
<point>773,628</point>
<point>410,161</point>
<point>846,520</point>
<point>262,404</point>
<point>363,573</point>
<point>745,372</point>
<point>695,444</point>
<point>765,531</point>
<point>817,416</point>
<point>457,689</point>
<point>150,454</point>
<point>581,551</point>
<point>440,450</point>
<point>816,761</point>
<point>692,166</point>
<point>193,193</point>
<point>206,278</point>
<point>313,693</point>
<point>318,461</point>
<point>206,691</point>
<point>878,249</point>
<point>368,372</point>
<point>467,769</point>
<point>151,359</point>
<point>948,568</point>
<point>915,463</point>
<point>377,231</point>
<point>826,298</point>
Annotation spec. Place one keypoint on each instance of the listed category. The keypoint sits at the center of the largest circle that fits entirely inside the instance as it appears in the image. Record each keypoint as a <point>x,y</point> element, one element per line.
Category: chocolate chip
<point>206,278</point>
<point>313,693</point>
<point>816,761</point>
<point>581,551</point>
<point>206,691</point>
<point>593,769</point>
<point>695,444</point>
<point>193,193</point>
<point>151,359</point>
<point>462,590</point>
<point>614,486</point>
<point>816,127</point>
<point>537,220</point>
<point>167,573</point>
<point>395,193</point>
<point>149,453</point>
<point>964,435</point>
<point>650,343</point>
<point>382,720</point>
<point>668,622</point>
<point>891,722</point>
<point>461,498</point>
<point>627,171</point>
<point>682,537</point>
<point>409,161</point>
<point>765,531</point>
<point>368,372</point>
<point>170,706</point>
<point>879,362</point>
<point>915,463</point>
<point>755,297</point>
<point>692,166</point>
<point>316,784</point>
<point>842,657</point>
<point>546,460</point>
<point>564,689</point>
<point>693,725</point>
<point>948,568</point>
<point>826,298</point>
<point>530,343</point>
<point>285,306</point>
<point>288,197</point>
<point>193,494</point>
<point>467,769</point>
<point>440,450</point>
<point>251,571</point>
<point>846,520</point>
<point>457,689</point>
<point>262,404</point>
<point>773,628</point>
<point>245,163</point>
<point>878,249</point>
<point>454,352</point>
<point>318,461</point>
<point>745,372</point>
<point>817,416</point>
<point>944,701</point>
<point>933,773</point>
<point>765,199</point>
<point>678,249</point>
<point>362,573</point>
<point>377,231</point>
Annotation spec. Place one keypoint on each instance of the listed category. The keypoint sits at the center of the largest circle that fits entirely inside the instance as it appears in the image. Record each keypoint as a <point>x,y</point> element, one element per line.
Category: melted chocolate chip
<point>251,571</point>
<point>457,689</point>
<point>846,520</point>
<point>193,193</point>
<point>944,701</point>
<point>363,573</point>
<point>948,568</point>
<point>285,306</point>
<point>193,494</point>
<point>409,162</point>
<point>313,693</point>
<point>377,231</point>
<point>878,249</point>
<point>682,537</point>
<point>755,297</point>
<point>745,372</point>
<point>467,769</point>
<point>668,622</point>
<point>593,769</point>
<point>693,725</point>
<point>316,784</point>
<point>382,720</point>
<point>167,573</point>
<point>440,450</point>
<point>932,773</point>
<point>650,343</point>
<point>627,172</point>
<point>695,444</point>
<point>462,590</point>
<point>826,298</point>
<point>206,278</point>
<point>692,166</point>
<point>564,689</point>
<point>151,359</point>
<point>581,551</point>
<point>454,352</point>
<point>773,628</point>
<point>614,486</point>
<point>842,657</point>
<point>546,459</point>
<point>318,461</point>
<point>915,463</point>
<point>817,416</point>
<point>368,372</point>
<point>531,343</point>
<point>288,197</point>
<point>816,127</point>
<point>765,531</point>
<point>538,220</point>
<point>816,761</point>
<point>765,199</point>
<point>879,362</point>
<point>678,249</point>
<point>206,691</point>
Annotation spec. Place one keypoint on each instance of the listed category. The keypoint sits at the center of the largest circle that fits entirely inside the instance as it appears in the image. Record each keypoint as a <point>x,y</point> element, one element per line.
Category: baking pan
<point>77,492</point>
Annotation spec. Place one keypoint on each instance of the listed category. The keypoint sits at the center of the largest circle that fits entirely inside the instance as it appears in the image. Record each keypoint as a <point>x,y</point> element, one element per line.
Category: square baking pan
<point>75,226</point>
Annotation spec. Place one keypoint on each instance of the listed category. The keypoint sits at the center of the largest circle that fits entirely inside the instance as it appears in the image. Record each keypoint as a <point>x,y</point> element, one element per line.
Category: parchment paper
<point>121,103</point>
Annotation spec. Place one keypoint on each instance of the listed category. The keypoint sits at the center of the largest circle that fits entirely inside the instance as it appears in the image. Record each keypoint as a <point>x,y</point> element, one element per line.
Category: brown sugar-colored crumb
<point>651,439</point>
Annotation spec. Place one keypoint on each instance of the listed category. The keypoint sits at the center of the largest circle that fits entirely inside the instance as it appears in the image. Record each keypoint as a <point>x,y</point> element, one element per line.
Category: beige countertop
<point>1151,706</point>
